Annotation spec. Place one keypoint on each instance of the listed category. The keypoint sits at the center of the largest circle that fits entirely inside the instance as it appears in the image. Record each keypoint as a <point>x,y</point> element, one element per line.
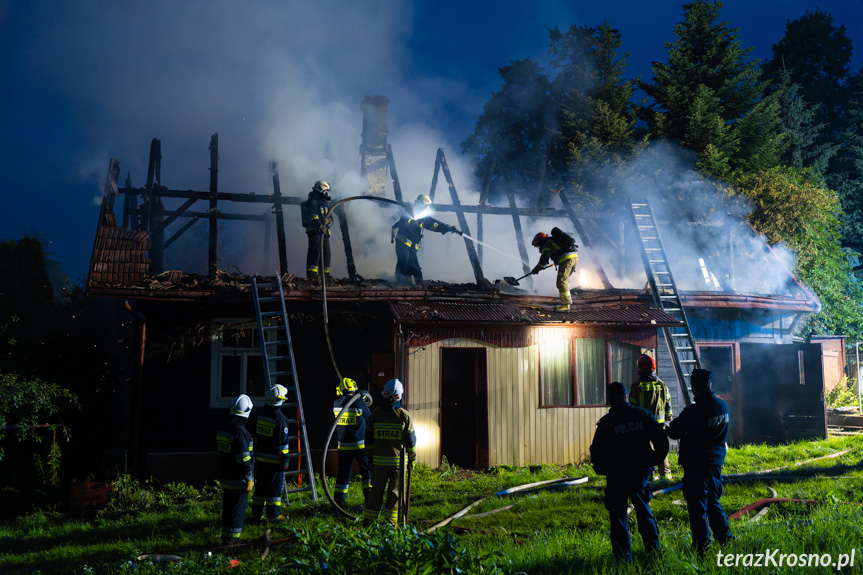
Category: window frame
<point>218,350</point>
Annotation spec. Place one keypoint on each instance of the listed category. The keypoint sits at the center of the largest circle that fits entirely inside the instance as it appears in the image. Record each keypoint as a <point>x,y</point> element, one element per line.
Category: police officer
<point>627,444</point>
<point>317,222</point>
<point>652,394</point>
<point>390,429</point>
<point>271,456</point>
<point>236,469</point>
<point>407,233</point>
<point>702,429</point>
<point>351,433</point>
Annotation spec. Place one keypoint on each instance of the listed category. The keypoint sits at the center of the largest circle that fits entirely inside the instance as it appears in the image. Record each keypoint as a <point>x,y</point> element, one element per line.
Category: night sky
<point>87,81</point>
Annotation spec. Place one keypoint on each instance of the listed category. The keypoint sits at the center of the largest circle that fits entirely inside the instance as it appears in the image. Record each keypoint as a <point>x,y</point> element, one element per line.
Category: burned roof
<point>515,312</point>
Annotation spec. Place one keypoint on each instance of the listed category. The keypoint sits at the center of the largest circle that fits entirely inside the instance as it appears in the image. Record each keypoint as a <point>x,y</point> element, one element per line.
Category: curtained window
<point>591,370</point>
<point>556,383</point>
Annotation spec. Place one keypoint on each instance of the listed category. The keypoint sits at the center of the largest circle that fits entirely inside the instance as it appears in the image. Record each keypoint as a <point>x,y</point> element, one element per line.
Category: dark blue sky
<point>83,82</point>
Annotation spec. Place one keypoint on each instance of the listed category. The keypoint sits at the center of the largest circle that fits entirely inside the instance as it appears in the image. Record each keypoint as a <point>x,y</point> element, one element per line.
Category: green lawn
<point>556,530</point>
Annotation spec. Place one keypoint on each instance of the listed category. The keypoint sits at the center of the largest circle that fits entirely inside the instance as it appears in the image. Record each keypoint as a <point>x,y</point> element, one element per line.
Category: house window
<point>591,371</point>
<point>236,365</point>
<point>556,373</point>
<point>623,358</point>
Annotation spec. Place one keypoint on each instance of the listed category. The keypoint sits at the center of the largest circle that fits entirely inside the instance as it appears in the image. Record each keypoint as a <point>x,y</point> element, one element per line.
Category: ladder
<point>681,346</point>
<point>277,354</point>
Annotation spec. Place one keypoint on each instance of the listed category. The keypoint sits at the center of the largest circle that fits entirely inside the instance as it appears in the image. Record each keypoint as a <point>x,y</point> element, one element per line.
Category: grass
<point>546,531</point>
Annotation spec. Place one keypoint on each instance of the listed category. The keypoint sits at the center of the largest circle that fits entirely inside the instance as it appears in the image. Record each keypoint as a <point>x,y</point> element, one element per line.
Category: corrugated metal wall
<point>519,431</point>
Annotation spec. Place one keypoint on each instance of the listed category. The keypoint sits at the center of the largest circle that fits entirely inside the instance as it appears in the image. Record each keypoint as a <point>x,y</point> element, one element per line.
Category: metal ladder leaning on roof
<point>280,367</point>
<point>681,346</point>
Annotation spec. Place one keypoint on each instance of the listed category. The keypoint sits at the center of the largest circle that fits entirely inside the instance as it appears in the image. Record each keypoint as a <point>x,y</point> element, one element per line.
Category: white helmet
<point>276,395</point>
<point>323,188</point>
<point>241,406</point>
<point>394,389</point>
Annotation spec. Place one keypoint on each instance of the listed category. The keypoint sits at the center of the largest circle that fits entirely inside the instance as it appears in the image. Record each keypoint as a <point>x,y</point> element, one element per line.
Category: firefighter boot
<point>565,302</point>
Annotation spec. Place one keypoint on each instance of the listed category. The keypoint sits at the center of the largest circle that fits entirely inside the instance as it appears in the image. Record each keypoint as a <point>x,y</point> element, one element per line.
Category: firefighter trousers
<point>269,483</point>
<point>385,481</point>
<point>346,466</point>
<point>234,502</point>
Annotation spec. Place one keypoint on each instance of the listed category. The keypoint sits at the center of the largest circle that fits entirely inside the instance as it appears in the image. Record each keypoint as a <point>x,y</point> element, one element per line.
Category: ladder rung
<point>272,327</point>
<point>297,490</point>
<point>270,298</point>
<point>682,349</point>
<point>280,342</point>
<point>278,373</point>
<point>658,272</point>
<point>297,472</point>
<point>271,313</point>
<point>679,335</point>
<point>686,361</point>
<point>278,357</point>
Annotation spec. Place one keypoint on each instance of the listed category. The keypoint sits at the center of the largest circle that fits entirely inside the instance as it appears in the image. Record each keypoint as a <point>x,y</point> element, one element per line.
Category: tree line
<point>783,137</point>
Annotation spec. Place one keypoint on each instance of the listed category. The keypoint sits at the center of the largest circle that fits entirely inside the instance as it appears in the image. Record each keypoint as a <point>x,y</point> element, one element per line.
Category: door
<point>464,407</point>
<point>721,360</point>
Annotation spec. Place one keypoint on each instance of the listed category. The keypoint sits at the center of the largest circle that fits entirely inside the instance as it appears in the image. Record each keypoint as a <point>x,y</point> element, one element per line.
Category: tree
<point>818,55</point>
<point>596,119</point>
<point>513,134</point>
<point>708,99</point>
<point>847,174</point>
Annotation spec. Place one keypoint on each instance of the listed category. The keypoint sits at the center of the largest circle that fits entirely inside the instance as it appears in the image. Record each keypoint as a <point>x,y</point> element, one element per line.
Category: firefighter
<point>317,221</point>
<point>407,233</point>
<point>561,249</point>
<point>271,456</point>
<point>390,428</point>
<point>627,444</point>
<point>351,433</point>
<point>236,469</point>
<point>652,394</point>
<point>702,429</point>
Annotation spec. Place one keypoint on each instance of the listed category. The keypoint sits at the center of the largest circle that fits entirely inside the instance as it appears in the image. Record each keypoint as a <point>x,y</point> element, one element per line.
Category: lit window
<point>556,373</point>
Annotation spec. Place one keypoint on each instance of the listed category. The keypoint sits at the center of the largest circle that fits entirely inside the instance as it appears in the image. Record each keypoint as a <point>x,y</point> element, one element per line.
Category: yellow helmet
<point>347,385</point>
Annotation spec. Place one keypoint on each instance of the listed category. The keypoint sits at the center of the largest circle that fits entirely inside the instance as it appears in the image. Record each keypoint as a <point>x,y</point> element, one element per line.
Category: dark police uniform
<point>621,450</point>
<point>702,429</point>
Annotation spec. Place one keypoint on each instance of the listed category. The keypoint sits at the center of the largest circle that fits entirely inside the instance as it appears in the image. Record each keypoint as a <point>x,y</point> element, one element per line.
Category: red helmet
<point>537,239</point>
<point>645,364</point>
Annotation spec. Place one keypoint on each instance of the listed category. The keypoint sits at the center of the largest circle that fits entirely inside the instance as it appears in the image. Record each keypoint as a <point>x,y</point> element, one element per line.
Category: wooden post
<point>280,220</point>
<point>471,252</point>
<point>397,187</point>
<point>154,203</point>
<point>519,234</point>
<point>585,239</point>
<point>483,200</point>
<point>214,220</point>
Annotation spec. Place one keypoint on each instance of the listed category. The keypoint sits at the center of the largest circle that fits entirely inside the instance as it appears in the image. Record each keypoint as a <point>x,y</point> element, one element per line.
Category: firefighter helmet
<point>424,199</point>
<point>645,364</point>
<point>699,381</point>
<point>277,395</point>
<point>347,385</point>
<point>537,239</point>
<point>323,188</point>
<point>241,406</point>
<point>394,390</point>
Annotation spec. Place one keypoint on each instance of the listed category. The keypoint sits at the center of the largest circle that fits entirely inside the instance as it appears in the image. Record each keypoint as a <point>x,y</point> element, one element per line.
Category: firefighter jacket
<point>409,231</point>
<point>389,429</point>
<point>315,213</point>
<point>235,445</point>
<point>271,436</point>
<point>627,440</point>
<point>652,394</point>
<point>351,428</point>
<point>702,429</point>
<point>558,247</point>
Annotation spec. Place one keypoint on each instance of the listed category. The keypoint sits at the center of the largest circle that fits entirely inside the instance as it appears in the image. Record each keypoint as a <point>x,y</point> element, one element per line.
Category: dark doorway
<point>464,407</point>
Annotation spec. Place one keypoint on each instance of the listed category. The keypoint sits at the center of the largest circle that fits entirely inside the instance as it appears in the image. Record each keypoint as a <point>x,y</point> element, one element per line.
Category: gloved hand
<point>250,484</point>
<point>328,221</point>
<point>536,269</point>
<point>412,457</point>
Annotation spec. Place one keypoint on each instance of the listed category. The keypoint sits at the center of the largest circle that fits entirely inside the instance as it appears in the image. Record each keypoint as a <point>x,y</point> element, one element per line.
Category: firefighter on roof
<point>271,456</point>
<point>561,249</point>
<point>351,432</point>
<point>652,394</point>
<point>407,233</point>
<point>390,428</point>
<point>627,444</point>
<point>236,469</point>
<point>316,218</point>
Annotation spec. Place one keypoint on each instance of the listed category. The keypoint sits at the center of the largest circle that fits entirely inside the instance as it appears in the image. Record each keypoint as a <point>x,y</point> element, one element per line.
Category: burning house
<point>493,375</point>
